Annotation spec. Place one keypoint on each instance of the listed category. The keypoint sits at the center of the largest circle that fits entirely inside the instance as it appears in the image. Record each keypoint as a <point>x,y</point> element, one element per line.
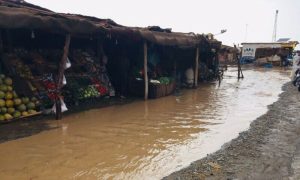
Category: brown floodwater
<point>144,140</point>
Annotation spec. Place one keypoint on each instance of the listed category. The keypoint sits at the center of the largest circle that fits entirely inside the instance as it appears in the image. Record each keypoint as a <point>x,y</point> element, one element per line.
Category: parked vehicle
<point>296,81</point>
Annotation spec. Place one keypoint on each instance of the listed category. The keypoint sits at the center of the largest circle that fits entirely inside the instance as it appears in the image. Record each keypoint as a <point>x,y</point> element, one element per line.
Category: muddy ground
<point>270,149</point>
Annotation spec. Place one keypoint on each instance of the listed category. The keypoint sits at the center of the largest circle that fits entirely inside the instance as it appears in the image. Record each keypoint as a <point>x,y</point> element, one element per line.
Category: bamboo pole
<point>61,74</point>
<point>146,70</point>
<point>196,67</point>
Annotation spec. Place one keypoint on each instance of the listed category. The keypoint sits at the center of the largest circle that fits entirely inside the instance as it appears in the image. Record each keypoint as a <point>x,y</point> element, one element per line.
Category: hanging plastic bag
<point>62,104</point>
<point>68,64</point>
<point>64,80</point>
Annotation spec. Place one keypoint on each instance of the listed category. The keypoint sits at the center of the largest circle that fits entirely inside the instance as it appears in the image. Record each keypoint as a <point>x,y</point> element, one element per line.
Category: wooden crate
<point>170,88</point>
<point>157,90</point>
<point>136,88</point>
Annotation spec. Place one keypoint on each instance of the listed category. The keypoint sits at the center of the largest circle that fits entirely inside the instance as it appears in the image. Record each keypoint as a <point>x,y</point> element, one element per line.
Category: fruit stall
<point>86,79</point>
<point>25,85</point>
<point>52,61</point>
<point>13,106</point>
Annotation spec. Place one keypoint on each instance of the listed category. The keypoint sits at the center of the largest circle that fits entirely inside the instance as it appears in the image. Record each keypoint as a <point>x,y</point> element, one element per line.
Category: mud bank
<point>270,149</point>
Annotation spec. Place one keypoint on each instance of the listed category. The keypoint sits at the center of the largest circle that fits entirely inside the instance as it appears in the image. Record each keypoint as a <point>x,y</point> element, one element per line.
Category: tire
<point>297,81</point>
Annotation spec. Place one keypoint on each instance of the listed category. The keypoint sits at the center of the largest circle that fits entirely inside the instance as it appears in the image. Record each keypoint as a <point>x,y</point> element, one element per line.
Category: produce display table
<point>20,118</point>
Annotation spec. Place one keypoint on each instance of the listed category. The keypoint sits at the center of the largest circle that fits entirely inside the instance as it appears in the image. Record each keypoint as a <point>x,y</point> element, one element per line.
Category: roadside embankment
<point>270,149</point>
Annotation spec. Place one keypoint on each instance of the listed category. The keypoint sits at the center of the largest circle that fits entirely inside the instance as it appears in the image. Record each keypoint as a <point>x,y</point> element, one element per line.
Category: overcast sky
<point>200,16</point>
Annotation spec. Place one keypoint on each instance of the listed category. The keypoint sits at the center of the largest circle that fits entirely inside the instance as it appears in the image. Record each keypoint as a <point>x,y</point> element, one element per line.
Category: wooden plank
<point>196,67</point>
<point>146,70</point>
<point>61,74</point>
<point>20,118</point>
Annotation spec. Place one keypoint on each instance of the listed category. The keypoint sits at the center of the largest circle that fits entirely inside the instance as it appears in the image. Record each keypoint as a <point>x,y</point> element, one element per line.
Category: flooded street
<point>144,140</point>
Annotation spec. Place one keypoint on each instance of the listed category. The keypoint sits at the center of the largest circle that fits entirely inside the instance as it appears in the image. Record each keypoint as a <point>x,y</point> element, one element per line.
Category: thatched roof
<point>228,48</point>
<point>24,15</point>
<point>20,14</point>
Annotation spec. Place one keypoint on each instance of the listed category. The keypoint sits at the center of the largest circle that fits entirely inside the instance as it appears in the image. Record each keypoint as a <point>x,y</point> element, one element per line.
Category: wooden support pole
<point>239,64</point>
<point>196,67</point>
<point>146,69</point>
<point>61,74</point>
<point>240,72</point>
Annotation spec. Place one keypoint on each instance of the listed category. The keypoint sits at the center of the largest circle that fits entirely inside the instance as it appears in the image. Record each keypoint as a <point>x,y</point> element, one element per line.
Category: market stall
<point>64,59</point>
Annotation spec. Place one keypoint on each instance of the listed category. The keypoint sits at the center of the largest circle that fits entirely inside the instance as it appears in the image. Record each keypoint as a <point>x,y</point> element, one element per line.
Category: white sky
<point>200,16</point>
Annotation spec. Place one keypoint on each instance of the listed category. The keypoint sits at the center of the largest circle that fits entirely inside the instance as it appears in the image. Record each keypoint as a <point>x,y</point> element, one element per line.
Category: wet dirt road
<point>143,140</point>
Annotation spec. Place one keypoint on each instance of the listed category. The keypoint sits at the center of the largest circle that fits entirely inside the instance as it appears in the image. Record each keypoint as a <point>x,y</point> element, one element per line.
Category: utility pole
<point>275,27</point>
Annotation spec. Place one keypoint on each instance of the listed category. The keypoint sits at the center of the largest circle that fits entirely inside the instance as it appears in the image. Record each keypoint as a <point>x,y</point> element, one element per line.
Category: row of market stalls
<point>228,55</point>
<point>53,61</point>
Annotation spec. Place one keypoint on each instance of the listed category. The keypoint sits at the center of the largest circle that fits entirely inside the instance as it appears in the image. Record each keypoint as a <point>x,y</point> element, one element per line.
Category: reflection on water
<point>143,140</point>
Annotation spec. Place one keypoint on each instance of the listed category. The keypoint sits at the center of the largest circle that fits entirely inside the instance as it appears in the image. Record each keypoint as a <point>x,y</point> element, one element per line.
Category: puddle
<point>144,140</point>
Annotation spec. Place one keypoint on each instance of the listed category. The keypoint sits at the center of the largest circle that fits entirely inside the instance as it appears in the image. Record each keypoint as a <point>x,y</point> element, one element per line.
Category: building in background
<point>266,52</point>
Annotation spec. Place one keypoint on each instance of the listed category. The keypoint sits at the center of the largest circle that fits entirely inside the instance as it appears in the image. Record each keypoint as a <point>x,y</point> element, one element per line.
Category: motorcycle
<point>296,81</point>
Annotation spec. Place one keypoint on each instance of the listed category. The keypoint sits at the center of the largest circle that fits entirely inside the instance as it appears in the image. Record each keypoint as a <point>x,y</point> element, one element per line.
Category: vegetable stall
<point>53,61</point>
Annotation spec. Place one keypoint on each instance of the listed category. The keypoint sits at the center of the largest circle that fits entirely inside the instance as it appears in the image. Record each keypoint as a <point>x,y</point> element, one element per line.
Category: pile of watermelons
<point>11,105</point>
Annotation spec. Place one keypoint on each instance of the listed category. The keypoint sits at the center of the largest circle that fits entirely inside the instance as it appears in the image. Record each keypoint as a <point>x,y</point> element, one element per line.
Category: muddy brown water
<point>144,140</point>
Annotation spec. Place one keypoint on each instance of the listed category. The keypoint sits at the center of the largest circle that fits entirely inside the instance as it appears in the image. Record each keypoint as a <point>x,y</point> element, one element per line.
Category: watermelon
<point>30,105</point>
<point>31,111</point>
<point>22,107</point>
<point>2,103</point>
<point>8,81</point>
<point>17,101</point>
<point>9,88</point>
<point>25,113</point>
<point>25,100</point>
<point>17,114</point>
<point>10,110</point>
<point>9,103</point>
<point>2,94</point>
<point>15,94</point>
<point>7,116</point>
<point>3,110</point>
<point>8,95</point>
<point>3,87</point>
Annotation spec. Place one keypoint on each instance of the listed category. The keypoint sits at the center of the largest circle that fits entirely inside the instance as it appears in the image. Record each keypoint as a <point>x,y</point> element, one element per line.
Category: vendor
<point>189,77</point>
<point>154,67</point>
